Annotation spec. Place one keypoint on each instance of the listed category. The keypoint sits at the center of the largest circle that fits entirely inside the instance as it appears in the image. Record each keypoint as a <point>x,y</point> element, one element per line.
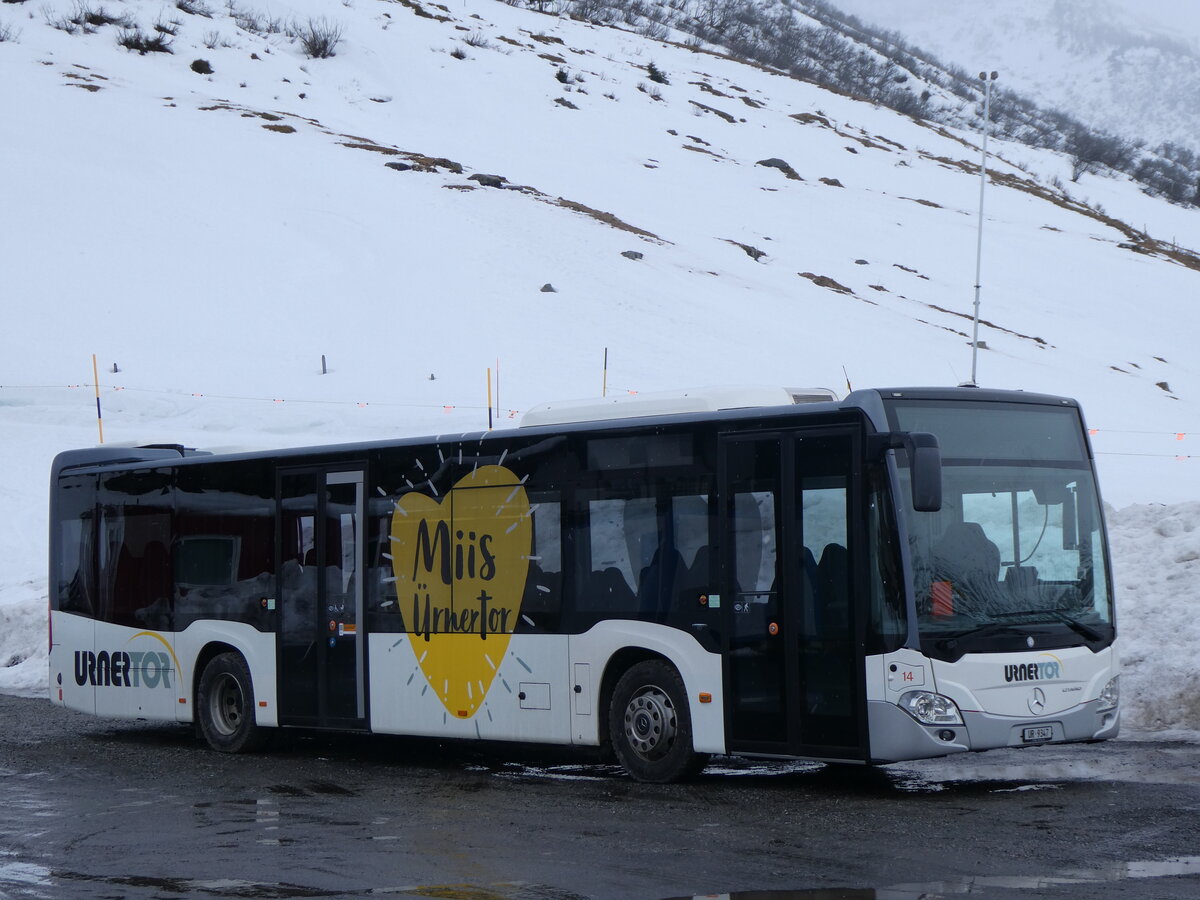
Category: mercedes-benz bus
<point>899,574</point>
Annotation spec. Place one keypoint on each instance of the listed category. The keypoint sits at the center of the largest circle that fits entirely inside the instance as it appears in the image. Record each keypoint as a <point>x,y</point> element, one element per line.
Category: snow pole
<point>604,379</point>
<point>987,126</point>
<point>489,377</point>
<point>96,381</point>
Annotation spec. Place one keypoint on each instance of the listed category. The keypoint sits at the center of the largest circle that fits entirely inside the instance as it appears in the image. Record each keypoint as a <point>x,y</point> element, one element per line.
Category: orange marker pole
<point>96,381</point>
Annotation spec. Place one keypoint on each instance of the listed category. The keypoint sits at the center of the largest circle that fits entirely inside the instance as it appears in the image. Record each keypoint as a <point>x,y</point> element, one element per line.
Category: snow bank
<point>1156,564</point>
<point>23,644</point>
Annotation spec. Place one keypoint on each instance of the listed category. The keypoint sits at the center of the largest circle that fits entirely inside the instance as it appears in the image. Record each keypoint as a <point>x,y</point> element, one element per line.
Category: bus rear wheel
<point>650,725</point>
<point>225,706</point>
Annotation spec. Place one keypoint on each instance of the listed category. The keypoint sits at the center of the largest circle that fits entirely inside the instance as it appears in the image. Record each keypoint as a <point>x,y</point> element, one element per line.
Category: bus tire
<point>225,706</point>
<point>650,724</point>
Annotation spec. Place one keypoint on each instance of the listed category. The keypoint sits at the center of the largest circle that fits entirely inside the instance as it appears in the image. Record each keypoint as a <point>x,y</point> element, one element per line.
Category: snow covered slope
<point>213,235</point>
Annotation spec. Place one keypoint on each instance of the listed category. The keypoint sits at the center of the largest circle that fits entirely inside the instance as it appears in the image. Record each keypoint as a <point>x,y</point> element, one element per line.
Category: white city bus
<point>900,574</point>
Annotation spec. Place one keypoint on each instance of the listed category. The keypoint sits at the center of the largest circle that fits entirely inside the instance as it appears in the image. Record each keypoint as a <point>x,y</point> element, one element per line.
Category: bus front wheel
<point>650,725</point>
<point>225,706</point>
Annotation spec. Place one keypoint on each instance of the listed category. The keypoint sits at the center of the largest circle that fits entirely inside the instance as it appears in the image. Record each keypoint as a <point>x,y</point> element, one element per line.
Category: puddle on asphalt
<point>33,880</point>
<point>29,880</point>
<point>1137,869</point>
<point>15,872</point>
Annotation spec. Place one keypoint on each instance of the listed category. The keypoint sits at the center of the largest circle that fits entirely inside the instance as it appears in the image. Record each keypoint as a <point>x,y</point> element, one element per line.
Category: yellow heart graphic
<point>460,567</point>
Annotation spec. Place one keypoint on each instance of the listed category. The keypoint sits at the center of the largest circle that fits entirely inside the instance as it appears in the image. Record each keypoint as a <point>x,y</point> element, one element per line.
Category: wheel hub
<point>226,706</point>
<point>650,723</point>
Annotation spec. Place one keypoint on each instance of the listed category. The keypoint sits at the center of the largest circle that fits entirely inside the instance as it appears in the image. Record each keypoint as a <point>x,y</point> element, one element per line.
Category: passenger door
<point>321,595</point>
<point>794,674</point>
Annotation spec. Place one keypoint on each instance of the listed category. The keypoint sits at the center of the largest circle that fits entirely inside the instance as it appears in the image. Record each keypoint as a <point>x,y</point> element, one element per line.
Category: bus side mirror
<point>924,461</point>
<point>925,470</point>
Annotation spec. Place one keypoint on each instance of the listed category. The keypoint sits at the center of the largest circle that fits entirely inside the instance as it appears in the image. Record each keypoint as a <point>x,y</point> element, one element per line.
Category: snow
<point>164,223</point>
<point>1157,575</point>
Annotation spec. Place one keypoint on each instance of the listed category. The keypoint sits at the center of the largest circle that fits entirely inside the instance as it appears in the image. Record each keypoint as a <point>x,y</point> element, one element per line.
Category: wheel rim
<point>650,723</point>
<point>226,705</point>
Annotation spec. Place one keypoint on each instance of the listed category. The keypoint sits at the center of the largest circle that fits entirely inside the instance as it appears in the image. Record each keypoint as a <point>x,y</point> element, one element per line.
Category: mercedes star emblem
<point>1037,702</point>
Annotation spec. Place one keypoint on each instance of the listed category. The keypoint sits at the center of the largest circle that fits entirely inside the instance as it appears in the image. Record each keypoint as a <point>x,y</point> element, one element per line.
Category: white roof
<point>662,403</point>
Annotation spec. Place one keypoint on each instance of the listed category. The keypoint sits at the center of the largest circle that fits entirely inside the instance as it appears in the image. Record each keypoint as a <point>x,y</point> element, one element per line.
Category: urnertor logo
<point>1035,671</point>
<point>122,668</point>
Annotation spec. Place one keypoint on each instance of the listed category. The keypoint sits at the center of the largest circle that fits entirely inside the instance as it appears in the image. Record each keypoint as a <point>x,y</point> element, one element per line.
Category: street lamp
<point>988,81</point>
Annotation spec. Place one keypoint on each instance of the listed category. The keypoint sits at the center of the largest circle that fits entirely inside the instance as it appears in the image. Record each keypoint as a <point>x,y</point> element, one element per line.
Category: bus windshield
<point>1016,557</point>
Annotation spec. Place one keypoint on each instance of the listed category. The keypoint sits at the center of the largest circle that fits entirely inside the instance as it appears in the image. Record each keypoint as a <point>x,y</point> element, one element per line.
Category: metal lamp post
<point>988,81</point>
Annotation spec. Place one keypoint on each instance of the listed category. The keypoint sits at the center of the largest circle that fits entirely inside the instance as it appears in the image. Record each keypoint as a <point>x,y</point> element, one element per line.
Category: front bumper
<point>897,736</point>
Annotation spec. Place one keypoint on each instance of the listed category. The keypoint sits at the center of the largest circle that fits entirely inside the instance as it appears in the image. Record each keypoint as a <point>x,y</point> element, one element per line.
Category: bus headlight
<point>929,708</point>
<point>1111,695</point>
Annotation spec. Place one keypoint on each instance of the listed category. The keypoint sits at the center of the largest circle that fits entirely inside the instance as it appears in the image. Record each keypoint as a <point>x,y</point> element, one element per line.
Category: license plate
<point>1037,734</point>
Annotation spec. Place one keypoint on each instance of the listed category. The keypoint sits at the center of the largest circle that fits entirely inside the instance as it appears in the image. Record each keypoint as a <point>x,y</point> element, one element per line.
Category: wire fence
<point>512,414</point>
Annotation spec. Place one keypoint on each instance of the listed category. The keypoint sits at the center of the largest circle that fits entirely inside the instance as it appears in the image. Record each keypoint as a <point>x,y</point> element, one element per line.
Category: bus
<point>899,574</point>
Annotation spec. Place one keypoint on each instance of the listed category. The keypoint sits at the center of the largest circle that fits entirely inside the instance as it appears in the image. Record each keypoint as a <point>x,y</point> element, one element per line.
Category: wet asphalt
<point>102,808</point>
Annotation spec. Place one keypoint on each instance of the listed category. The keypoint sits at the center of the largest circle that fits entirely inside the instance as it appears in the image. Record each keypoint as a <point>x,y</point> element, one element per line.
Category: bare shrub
<point>318,37</point>
<point>135,39</point>
<point>90,19</point>
<point>194,8</point>
<point>8,33</point>
<point>256,22</point>
<point>170,27</point>
<point>83,18</point>
<point>458,53</point>
<point>655,31</point>
<point>652,92</point>
<point>476,39</point>
<point>61,23</point>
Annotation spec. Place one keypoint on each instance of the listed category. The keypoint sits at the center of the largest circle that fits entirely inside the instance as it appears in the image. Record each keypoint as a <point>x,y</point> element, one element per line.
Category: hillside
<point>1130,67</point>
<point>399,207</point>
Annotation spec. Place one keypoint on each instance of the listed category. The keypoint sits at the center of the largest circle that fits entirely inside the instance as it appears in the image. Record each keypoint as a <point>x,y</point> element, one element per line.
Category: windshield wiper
<point>1085,631</point>
<point>981,630</point>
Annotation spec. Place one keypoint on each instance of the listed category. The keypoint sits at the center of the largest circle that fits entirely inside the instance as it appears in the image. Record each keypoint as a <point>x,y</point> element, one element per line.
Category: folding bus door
<point>321,596</point>
<point>794,674</point>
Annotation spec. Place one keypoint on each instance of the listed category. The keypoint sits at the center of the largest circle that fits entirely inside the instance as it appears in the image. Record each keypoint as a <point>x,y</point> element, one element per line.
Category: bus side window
<point>383,607</point>
<point>135,531</point>
<point>542,601</point>
<point>621,538</point>
<point>224,543</point>
<point>75,566</point>
<point>692,541</point>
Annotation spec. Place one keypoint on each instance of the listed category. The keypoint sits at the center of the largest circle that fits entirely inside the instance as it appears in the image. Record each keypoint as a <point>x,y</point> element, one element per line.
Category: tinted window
<point>75,521</point>
<point>1009,431</point>
<point>133,548</point>
<point>225,542</point>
